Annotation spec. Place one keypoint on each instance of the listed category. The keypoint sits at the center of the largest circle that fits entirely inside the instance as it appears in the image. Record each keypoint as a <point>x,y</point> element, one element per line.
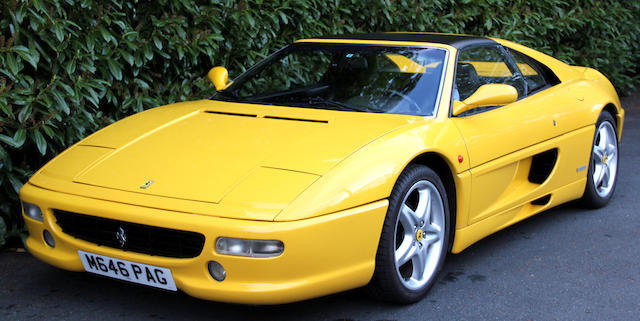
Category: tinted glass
<point>479,66</point>
<point>531,71</point>
<point>358,78</point>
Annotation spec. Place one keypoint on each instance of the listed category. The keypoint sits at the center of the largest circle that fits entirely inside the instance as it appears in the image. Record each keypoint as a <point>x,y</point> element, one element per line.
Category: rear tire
<point>414,239</point>
<point>603,163</point>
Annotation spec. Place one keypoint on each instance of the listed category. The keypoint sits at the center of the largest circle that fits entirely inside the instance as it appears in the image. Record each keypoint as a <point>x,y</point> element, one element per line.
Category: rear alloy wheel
<point>414,238</point>
<point>603,165</point>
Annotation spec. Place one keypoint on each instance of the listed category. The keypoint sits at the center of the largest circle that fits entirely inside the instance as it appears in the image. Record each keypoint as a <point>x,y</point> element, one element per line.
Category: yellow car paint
<point>309,182</point>
<point>249,280</point>
<point>486,95</point>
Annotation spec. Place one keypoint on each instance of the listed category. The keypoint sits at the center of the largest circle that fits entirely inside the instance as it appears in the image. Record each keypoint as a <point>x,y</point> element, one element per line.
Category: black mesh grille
<point>139,238</point>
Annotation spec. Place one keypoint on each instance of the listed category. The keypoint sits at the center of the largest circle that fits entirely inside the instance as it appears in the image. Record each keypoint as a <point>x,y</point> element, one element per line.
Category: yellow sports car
<point>335,163</point>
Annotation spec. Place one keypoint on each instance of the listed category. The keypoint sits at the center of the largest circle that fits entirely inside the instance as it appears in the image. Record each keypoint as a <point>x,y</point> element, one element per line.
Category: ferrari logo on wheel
<point>419,235</point>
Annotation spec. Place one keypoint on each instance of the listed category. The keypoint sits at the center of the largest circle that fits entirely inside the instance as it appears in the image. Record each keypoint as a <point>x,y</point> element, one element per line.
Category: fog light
<point>252,248</point>
<point>217,271</point>
<point>32,211</point>
<point>48,238</point>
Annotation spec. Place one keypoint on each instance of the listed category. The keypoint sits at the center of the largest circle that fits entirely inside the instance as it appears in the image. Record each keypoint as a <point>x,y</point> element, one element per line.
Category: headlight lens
<point>251,248</point>
<point>32,211</point>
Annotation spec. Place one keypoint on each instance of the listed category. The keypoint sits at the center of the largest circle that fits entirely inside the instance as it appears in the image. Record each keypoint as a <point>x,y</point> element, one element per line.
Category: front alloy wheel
<point>603,164</point>
<point>419,234</point>
<point>414,237</point>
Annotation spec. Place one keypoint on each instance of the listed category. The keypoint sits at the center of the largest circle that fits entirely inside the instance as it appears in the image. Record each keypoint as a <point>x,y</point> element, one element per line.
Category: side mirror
<point>486,95</point>
<point>219,76</point>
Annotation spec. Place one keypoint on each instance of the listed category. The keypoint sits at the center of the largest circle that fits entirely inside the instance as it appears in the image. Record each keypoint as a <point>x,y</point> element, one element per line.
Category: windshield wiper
<point>226,95</point>
<point>318,100</point>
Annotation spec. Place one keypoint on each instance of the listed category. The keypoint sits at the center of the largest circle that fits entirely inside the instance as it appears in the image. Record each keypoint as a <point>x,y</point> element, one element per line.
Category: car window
<point>289,73</point>
<point>532,71</point>
<point>479,66</point>
<point>375,79</point>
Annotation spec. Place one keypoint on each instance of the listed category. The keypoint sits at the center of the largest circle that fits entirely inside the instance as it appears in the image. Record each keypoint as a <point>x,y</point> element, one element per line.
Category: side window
<point>479,66</point>
<point>532,71</point>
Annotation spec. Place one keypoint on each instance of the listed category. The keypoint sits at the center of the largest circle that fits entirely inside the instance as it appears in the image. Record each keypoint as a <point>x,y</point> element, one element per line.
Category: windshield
<point>396,80</point>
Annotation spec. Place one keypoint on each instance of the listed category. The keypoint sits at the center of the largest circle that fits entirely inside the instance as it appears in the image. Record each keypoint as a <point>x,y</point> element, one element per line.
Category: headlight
<point>252,248</point>
<point>32,211</point>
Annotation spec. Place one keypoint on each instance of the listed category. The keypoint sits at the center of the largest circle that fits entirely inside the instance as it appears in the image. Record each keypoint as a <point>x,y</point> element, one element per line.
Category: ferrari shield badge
<point>146,184</point>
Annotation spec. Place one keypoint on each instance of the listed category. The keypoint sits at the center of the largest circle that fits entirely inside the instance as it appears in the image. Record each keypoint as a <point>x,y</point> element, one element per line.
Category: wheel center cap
<point>604,159</point>
<point>419,235</point>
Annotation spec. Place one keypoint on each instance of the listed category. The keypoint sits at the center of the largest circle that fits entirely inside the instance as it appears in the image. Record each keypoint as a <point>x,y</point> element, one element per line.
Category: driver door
<point>501,140</point>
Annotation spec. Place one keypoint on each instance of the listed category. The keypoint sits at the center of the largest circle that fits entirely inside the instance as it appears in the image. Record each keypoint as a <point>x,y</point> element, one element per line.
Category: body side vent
<point>541,166</point>
<point>542,200</point>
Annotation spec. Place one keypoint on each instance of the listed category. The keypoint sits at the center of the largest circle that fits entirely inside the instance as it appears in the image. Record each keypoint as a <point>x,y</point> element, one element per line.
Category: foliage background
<point>70,67</point>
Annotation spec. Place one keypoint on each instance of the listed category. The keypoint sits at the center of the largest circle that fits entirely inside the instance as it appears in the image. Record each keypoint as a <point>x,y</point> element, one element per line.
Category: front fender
<point>370,173</point>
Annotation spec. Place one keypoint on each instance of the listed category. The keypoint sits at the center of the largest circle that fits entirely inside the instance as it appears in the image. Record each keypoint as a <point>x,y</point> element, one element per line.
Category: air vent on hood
<point>298,119</point>
<point>229,114</point>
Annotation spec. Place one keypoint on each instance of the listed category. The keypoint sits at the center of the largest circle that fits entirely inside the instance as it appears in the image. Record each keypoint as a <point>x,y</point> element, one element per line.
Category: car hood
<point>215,152</point>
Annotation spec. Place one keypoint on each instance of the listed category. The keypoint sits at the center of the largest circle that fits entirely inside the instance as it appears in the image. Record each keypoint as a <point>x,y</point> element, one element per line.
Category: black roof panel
<point>457,41</point>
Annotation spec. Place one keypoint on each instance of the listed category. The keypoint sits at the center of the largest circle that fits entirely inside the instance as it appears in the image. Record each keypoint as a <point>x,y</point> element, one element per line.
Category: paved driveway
<point>567,263</point>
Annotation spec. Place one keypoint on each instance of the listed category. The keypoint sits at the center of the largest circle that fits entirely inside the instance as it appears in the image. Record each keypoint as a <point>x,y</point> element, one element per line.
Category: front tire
<point>415,237</point>
<point>603,163</point>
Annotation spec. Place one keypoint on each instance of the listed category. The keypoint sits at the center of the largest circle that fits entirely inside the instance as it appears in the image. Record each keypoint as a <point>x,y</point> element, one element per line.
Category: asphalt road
<point>567,263</point>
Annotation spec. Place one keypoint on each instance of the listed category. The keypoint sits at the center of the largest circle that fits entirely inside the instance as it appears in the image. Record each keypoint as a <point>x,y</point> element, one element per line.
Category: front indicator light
<point>48,238</point>
<point>217,271</point>
<point>251,248</point>
<point>32,211</point>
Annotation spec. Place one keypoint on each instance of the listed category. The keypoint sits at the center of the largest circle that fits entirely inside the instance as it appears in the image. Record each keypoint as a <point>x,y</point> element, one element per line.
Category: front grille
<point>140,238</point>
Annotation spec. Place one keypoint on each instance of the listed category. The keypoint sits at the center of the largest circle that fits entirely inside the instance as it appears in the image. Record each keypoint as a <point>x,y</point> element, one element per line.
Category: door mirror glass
<point>486,95</point>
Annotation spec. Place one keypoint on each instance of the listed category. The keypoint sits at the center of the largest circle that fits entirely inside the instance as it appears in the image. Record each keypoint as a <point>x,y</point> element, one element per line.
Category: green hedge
<point>69,67</point>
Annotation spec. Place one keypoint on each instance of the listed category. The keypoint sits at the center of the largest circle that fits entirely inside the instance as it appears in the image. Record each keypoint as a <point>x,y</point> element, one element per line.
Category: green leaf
<point>488,24</point>
<point>15,182</point>
<point>157,42</point>
<point>41,143</point>
<point>5,109</point>
<point>3,154</point>
<point>19,137</point>
<point>115,68</point>
<point>283,17</point>
<point>130,35</point>
<point>60,101</point>
<point>32,57</point>
<point>48,131</point>
<point>24,113</point>
<point>12,64</point>
<point>70,66</point>
<point>105,34</point>
<point>57,29</point>
<point>143,85</point>
<point>147,52</point>
<point>67,88</point>
<point>8,140</point>
<point>19,49</point>
<point>127,57</point>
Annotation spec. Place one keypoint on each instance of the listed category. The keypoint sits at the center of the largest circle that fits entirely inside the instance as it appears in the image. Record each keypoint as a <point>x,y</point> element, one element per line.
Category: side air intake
<point>542,165</point>
<point>542,200</point>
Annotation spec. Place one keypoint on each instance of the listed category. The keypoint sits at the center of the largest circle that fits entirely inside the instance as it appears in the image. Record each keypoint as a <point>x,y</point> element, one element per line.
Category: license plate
<point>129,271</point>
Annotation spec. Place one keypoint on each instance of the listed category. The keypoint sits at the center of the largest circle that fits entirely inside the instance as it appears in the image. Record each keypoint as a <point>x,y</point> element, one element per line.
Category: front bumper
<point>322,255</point>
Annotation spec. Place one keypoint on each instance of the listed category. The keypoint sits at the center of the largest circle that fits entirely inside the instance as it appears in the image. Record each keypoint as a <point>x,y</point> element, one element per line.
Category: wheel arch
<point>439,164</point>
<point>618,116</point>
